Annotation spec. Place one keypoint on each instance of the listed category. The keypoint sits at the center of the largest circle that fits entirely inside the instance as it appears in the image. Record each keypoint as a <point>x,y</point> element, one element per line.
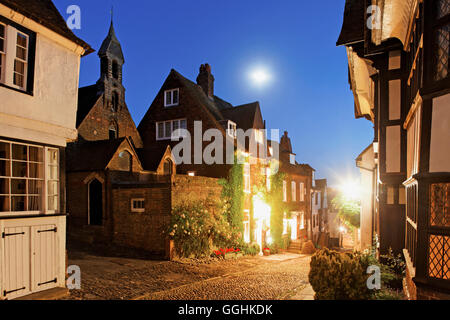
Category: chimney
<point>285,143</point>
<point>206,80</point>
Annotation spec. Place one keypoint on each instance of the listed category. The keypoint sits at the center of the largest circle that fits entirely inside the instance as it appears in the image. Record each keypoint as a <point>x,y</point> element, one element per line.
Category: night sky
<point>293,41</point>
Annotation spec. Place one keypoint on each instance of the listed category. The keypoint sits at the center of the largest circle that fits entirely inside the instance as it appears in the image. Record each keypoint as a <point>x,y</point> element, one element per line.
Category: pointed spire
<point>111,45</point>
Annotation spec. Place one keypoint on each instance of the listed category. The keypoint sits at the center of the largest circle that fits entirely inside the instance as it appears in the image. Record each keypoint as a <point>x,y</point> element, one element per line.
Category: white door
<point>16,244</point>
<point>44,253</point>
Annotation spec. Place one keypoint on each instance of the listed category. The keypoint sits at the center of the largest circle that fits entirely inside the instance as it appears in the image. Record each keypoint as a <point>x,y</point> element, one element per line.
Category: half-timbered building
<point>398,53</point>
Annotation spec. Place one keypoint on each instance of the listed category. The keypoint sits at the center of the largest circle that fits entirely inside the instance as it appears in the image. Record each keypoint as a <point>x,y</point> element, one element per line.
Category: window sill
<point>171,105</point>
<point>28,215</point>
<point>30,93</point>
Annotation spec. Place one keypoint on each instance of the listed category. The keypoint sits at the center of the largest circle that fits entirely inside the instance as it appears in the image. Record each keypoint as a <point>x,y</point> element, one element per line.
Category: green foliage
<point>233,199</point>
<point>338,276</point>
<point>349,211</point>
<point>395,262</point>
<point>195,229</point>
<point>275,200</point>
<point>251,250</point>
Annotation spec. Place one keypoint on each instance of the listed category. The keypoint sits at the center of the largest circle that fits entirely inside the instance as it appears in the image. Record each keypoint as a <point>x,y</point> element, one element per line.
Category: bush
<point>338,276</point>
<point>251,250</point>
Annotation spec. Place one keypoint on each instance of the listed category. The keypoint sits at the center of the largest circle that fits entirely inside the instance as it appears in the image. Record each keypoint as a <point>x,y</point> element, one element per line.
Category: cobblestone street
<point>254,278</point>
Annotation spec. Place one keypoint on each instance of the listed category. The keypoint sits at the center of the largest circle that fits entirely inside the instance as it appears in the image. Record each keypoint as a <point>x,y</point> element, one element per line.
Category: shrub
<point>338,276</point>
<point>396,263</point>
<point>251,250</point>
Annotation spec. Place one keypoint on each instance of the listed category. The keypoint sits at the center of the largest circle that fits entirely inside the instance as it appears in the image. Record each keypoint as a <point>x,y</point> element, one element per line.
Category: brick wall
<point>187,189</point>
<point>141,230</point>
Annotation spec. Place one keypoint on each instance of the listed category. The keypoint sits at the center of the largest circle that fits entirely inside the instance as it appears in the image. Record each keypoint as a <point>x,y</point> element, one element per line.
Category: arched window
<point>125,161</point>
<point>104,65</point>
<point>113,131</point>
<point>168,167</point>
<point>115,70</point>
<point>115,101</point>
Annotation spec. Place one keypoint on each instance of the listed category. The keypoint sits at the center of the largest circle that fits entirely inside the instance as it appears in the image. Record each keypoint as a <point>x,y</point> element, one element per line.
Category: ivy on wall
<point>275,200</point>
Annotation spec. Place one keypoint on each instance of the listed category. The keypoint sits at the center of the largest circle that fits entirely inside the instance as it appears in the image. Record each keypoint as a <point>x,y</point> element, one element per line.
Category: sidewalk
<point>306,294</point>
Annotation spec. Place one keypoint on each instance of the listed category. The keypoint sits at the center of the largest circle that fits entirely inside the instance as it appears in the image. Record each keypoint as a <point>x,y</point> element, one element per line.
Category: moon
<point>260,76</point>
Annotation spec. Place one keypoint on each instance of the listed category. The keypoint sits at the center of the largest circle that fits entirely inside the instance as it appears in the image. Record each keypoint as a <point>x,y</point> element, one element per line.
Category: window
<point>165,129</point>
<point>21,61</point>
<point>28,175</point>
<point>441,32</point>
<point>284,191</point>
<point>232,129</point>
<point>191,173</point>
<point>302,191</point>
<point>52,179</point>
<point>171,97</point>
<point>125,161</point>
<point>247,187</point>
<point>302,221</point>
<point>168,167</point>
<point>137,205</point>
<point>294,191</point>
<point>113,131</point>
<point>2,49</point>
<point>292,158</point>
<point>115,101</point>
<point>115,70</point>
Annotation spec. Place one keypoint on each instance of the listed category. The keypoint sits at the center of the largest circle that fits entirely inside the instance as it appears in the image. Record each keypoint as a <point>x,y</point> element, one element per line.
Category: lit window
<point>138,205</point>
<point>284,191</point>
<point>171,97</point>
<point>294,191</point>
<point>302,221</point>
<point>191,174</point>
<point>247,178</point>
<point>166,130</point>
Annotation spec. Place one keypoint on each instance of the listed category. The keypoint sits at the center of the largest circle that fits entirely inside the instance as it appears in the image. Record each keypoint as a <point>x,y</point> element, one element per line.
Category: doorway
<point>95,203</point>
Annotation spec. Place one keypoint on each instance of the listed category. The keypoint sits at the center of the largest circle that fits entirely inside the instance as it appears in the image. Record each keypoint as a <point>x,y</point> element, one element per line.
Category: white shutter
<point>16,272</point>
<point>44,260</point>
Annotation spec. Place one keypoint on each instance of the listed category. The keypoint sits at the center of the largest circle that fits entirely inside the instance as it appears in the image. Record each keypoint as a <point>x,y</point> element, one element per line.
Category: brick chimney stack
<point>285,143</point>
<point>206,80</point>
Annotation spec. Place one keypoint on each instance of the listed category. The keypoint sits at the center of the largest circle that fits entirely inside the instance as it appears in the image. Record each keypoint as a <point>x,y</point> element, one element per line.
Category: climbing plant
<point>233,199</point>
<point>349,211</point>
<point>275,200</point>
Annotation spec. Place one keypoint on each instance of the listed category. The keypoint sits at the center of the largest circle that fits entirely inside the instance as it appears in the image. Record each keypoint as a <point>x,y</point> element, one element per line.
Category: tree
<point>349,210</point>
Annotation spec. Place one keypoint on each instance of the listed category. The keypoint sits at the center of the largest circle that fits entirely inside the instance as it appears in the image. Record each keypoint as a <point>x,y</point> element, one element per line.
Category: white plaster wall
<point>440,135</point>
<point>50,114</point>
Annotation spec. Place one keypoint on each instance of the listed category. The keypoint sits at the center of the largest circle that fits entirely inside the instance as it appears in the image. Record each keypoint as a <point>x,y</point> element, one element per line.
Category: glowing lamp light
<point>262,215</point>
<point>351,190</point>
<point>342,230</point>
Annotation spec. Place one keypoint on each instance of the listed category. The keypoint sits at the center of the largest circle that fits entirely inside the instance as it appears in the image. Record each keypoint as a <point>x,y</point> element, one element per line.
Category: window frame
<point>436,24</point>
<point>294,191</point>
<point>302,191</point>
<point>134,208</point>
<point>7,78</point>
<point>44,180</point>
<point>171,122</point>
<point>232,132</point>
<point>171,92</point>
<point>25,62</point>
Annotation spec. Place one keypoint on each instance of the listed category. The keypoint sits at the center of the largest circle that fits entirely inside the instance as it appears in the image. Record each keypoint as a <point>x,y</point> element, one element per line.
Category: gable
<point>94,119</point>
<point>116,164</point>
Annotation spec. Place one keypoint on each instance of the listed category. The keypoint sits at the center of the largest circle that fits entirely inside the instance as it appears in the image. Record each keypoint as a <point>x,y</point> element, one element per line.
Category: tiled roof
<point>243,116</point>
<point>45,13</point>
<point>87,97</point>
<point>353,25</point>
<point>81,158</point>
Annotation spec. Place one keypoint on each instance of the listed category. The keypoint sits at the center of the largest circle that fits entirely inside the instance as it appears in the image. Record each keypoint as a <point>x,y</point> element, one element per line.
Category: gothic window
<point>104,65</point>
<point>441,36</point>
<point>115,70</point>
<point>168,167</point>
<point>113,131</point>
<point>115,102</point>
<point>125,161</point>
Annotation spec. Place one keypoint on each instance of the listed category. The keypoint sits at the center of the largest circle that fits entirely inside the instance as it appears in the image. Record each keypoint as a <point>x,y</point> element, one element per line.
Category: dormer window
<point>259,136</point>
<point>171,97</point>
<point>232,132</point>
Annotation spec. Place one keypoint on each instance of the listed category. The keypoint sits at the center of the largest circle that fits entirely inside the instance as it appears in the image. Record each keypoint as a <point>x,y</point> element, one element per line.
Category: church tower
<point>111,64</point>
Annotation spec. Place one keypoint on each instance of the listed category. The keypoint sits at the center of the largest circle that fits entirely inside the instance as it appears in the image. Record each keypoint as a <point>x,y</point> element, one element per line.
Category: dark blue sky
<point>294,39</point>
